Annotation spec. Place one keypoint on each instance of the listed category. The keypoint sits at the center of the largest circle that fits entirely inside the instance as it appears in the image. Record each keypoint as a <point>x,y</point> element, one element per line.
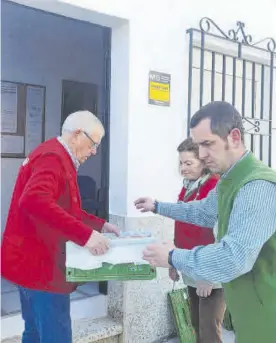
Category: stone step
<point>100,330</point>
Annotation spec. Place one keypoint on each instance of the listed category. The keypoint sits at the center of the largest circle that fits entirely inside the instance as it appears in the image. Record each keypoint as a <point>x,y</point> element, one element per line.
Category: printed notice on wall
<point>8,107</point>
<point>34,117</point>
<point>159,88</point>
<point>11,144</point>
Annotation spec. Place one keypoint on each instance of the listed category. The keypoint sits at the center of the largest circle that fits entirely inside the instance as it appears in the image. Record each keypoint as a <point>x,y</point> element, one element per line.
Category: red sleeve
<point>181,194</point>
<point>208,186</point>
<point>92,221</point>
<point>39,200</point>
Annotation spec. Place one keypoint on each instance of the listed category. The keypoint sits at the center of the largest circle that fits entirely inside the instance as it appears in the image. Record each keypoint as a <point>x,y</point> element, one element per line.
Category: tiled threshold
<point>100,330</point>
<point>92,307</point>
<point>10,303</point>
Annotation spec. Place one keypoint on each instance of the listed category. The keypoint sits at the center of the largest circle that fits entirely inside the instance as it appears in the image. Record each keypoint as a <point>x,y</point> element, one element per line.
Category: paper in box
<point>122,262</point>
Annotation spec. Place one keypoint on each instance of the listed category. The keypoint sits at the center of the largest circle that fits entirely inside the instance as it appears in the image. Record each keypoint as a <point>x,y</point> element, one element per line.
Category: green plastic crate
<point>182,315</point>
<point>120,272</point>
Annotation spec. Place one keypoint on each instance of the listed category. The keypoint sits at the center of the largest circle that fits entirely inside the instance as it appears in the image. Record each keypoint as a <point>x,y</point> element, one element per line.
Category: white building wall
<point>151,35</point>
<point>157,40</point>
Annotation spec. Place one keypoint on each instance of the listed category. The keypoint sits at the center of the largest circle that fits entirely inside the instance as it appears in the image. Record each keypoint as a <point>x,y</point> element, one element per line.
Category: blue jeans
<point>46,315</point>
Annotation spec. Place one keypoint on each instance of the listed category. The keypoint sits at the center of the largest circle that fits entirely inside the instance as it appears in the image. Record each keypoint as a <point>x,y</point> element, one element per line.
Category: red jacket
<point>187,236</point>
<point>45,212</point>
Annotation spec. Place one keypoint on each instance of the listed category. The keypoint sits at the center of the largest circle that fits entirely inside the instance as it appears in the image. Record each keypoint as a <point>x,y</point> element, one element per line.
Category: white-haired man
<point>45,212</point>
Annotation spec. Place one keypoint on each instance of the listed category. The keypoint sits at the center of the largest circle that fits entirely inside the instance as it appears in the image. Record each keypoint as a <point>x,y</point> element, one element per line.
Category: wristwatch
<point>170,258</point>
<point>155,206</point>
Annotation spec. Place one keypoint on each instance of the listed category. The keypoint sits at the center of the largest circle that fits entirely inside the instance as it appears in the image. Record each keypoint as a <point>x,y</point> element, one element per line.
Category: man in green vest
<point>243,209</point>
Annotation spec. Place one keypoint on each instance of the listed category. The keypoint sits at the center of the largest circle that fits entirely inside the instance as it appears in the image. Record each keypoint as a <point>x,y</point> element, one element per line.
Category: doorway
<point>77,96</point>
<point>71,58</point>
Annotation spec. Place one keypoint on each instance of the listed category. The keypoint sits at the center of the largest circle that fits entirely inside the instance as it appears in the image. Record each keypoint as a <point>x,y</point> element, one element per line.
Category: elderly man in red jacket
<point>45,213</point>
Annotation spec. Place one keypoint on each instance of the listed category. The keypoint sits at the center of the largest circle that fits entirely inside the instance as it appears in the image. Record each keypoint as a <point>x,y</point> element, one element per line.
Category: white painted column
<point>144,159</point>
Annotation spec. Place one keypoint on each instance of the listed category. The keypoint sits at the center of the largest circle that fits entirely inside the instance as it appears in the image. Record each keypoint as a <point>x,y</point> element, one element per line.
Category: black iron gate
<point>231,67</point>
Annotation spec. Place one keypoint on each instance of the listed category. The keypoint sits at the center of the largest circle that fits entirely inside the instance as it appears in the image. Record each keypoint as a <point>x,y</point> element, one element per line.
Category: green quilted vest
<point>251,298</point>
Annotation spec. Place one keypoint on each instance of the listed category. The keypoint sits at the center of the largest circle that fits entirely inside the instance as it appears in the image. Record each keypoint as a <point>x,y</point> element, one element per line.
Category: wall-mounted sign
<point>22,118</point>
<point>159,88</point>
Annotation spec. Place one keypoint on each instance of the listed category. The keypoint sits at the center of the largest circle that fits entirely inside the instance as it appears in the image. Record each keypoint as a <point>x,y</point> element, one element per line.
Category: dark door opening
<point>72,50</point>
<point>92,178</point>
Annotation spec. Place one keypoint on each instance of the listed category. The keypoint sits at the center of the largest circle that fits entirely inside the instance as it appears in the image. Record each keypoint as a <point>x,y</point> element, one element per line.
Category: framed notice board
<point>22,118</point>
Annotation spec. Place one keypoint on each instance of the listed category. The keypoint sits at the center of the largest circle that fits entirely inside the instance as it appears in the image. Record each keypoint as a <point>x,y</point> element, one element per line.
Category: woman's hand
<point>173,274</point>
<point>203,289</point>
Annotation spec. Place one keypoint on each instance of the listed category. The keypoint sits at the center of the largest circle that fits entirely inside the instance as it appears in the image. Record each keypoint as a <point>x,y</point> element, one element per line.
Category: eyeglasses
<point>94,144</point>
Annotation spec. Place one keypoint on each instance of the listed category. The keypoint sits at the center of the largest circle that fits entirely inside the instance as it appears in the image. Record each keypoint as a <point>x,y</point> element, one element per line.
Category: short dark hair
<point>224,118</point>
<point>189,146</point>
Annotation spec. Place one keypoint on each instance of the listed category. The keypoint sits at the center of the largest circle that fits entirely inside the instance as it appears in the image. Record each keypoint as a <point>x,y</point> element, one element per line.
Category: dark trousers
<point>46,316</point>
<point>207,315</point>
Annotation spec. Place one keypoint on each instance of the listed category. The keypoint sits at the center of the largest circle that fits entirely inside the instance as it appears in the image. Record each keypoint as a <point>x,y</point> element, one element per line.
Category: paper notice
<point>8,107</point>
<point>34,117</point>
<point>12,144</point>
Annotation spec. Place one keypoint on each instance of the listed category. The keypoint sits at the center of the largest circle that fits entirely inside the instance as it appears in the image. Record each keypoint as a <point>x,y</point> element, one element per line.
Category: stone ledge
<point>88,331</point>
<point>100,330</point>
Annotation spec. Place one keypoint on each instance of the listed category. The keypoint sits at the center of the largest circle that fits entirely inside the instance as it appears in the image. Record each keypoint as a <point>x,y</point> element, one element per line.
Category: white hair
<point>82,120</point>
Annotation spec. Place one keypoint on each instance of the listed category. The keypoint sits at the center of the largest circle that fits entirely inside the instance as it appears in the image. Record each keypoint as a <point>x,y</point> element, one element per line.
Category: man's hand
<point>145,204</point>
<point>203,289</point>
<point>173,274</point>
<point>97,244</point>
<point>111,229</point>
<point>157,254</point>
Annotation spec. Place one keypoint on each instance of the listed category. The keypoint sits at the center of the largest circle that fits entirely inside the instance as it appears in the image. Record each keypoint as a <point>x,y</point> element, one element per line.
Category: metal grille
<point>230,67</point>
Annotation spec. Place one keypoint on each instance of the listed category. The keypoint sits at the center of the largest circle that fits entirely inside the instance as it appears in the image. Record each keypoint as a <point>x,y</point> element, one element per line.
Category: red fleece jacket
<point>45,212</point>
<point>188,236</point>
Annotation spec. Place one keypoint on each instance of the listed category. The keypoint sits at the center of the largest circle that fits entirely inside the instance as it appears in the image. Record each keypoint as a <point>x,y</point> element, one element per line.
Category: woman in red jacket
<point>206,299</point>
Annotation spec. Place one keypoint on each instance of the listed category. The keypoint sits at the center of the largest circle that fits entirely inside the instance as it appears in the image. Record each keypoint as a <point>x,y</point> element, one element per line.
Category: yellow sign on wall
<point>159,88</point>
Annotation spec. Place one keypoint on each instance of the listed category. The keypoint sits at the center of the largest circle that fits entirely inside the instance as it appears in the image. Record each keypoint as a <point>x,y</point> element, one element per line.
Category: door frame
<point>13,324</point>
